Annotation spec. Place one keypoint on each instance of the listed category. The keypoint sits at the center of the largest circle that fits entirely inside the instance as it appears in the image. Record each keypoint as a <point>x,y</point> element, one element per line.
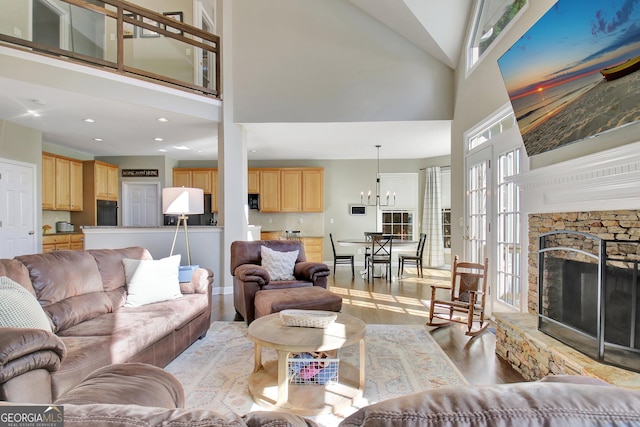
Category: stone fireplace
<point>588,295</point>
<point>596,195</point>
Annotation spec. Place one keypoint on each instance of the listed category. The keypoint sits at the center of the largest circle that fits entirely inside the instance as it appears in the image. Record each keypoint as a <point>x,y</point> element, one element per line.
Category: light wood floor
<point>399,302</point>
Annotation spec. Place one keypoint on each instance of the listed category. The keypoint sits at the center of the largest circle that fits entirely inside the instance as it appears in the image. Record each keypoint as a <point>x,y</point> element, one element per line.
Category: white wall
<point>327,61</point>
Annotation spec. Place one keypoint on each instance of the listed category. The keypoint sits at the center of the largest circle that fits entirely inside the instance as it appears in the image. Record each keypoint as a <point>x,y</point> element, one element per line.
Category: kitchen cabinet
<point>270,190</point>
<point>291,190</point>
<point>253,181</point>
<point>100,183</point>
<point>48,182</point>
<point>313,248</point>
<point>204,178</point>
<point>61,183</point>
<point>61,242</point>
<point>182,178</point>
<point>106,181</point>
<point>312,190</point>
<point>214,190</point>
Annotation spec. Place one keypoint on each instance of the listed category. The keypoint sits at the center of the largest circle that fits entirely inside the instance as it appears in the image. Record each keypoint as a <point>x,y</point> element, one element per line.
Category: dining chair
<point>413,259</point>
<point>367,250</point>
<point>381,248</point>
<point>341,258</point>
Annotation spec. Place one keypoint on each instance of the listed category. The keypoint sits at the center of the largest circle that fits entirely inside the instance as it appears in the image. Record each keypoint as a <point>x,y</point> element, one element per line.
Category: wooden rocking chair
<point>468,292</point>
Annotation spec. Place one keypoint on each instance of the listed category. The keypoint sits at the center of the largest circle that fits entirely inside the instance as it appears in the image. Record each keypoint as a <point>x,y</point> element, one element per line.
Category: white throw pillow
<point>279,264</point>
<point>150,281</point>
<point>19,308</point>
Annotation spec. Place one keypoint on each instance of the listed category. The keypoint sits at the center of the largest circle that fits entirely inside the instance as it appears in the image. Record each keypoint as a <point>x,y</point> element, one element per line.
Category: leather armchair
<point>249,276</point>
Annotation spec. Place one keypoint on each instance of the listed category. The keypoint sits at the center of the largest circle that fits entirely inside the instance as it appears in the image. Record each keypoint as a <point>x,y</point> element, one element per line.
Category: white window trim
<point>469,68</point>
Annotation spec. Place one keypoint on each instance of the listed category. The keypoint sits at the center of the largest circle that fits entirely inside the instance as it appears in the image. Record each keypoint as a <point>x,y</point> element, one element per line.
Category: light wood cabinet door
<point>75,186</point>
<point>63,186</point>
<point>48,182</point>
<point>312,190</point>
<point>253,181</point>
<point>181,178</point>
<point>291,191</point>
<point>76,241</point>
<point>313,248</point>
<point>112,182</point>
<point>214,191</point>
<point>270,190</point>
<point>106,181</point>
<point>201,179</point>
<point>101,181</point>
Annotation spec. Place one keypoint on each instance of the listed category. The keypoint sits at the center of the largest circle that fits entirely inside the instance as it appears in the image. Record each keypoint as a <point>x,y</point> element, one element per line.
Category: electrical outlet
<point>330,220</point>
<point>269,221</point>
<point>188,51</point>
<point>300,220</point>
<point>17,32</point>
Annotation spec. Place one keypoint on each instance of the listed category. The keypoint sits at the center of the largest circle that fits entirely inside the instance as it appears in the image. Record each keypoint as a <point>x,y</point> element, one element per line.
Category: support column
<point>232,157</point>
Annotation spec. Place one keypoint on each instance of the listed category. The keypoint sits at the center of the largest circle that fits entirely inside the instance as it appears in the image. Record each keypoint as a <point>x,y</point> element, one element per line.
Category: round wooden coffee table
<point>269,383</point>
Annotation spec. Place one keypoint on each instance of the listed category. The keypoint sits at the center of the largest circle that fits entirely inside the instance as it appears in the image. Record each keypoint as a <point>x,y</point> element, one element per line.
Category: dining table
<point>399,245</point>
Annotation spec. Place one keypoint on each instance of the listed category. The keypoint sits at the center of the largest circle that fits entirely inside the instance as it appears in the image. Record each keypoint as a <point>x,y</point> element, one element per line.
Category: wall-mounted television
<point>575,73</point>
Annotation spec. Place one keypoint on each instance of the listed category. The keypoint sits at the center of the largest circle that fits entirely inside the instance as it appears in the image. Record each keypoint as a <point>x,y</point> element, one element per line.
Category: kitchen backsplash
<point>51,217</point>
<point>312,223</point>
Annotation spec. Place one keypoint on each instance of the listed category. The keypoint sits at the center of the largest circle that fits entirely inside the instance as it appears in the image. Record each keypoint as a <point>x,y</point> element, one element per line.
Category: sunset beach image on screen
<point>555,73</point>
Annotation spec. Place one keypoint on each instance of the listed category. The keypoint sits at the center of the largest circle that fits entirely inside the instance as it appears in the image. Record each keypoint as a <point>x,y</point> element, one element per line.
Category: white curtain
<point>432,218</point>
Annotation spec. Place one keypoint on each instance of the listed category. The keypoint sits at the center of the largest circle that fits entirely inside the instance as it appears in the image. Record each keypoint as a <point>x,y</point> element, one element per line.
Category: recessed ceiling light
<point>158,139</point>
<point>97,139</point>
<point>33,113</point>
<point>88,120</point>
<point>180,147</point>
<point>163,119</point>
<point>254,151</point>
<point>162,150</point>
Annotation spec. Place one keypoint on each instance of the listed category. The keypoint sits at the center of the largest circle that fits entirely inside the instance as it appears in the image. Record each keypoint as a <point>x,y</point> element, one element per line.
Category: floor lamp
<point>182,201</point>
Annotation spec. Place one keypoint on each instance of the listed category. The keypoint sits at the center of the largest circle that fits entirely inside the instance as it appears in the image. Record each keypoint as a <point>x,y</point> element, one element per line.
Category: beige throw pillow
<point>19,308</point>
<point>279,264</point>
<point>150,281</point>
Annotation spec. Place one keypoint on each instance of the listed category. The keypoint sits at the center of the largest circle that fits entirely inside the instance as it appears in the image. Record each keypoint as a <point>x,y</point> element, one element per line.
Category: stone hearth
<point>535,354</point>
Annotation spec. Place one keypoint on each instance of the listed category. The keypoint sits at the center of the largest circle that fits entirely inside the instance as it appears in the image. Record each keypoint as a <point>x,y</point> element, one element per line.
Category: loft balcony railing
<point>119,36</point>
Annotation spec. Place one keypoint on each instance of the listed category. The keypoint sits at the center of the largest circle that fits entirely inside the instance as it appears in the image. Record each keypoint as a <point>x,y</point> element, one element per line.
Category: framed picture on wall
<point>149,33</point>
<point>178,16</point>
<point>129,30</point>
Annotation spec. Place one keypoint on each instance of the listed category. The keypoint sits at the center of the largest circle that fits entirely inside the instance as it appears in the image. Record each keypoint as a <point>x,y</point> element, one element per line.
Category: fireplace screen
<point>588,295</point>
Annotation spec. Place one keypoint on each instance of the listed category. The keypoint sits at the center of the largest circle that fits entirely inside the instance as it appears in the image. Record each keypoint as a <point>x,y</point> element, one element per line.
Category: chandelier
<point>378,199</point>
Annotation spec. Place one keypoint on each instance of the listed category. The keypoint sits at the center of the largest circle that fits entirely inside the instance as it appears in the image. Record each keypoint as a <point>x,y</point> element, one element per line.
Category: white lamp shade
<point>182,200</point>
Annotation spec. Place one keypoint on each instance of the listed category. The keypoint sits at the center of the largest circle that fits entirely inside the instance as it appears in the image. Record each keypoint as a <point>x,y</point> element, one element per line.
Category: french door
<point>493,227</point>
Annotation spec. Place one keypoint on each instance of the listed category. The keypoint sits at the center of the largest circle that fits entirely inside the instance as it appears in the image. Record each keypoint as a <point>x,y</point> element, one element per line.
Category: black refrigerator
<point>107,212</point>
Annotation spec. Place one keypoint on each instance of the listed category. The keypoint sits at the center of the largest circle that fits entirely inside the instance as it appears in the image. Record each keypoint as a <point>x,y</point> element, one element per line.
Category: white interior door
<point>17,210</point>
<point>141,204</point>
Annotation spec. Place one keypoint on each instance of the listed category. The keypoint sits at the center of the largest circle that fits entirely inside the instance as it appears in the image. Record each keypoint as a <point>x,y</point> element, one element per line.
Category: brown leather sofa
<point>83,293</point>
<point>558,401</point>
<point>138,394</point>
<point>250,277</point>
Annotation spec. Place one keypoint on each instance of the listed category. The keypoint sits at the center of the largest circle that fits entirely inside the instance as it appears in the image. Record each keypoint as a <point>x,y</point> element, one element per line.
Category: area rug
<point>401,359</point>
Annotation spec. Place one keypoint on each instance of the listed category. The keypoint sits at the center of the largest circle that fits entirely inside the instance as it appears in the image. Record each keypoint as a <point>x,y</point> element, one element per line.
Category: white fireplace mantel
<point>608,180</point>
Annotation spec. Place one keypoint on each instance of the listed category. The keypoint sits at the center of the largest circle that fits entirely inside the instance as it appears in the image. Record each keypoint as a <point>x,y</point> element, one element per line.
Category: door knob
<point>31,233</point>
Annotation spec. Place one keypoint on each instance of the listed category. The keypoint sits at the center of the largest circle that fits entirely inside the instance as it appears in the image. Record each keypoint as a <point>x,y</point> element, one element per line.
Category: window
<point>502,123</point>
<point>398,223</point>
<point>492,18</point>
